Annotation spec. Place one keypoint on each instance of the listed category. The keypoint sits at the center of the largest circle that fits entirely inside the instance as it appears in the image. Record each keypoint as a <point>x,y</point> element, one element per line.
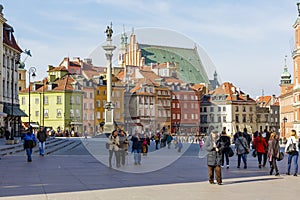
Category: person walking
<point>124,143</point>
<point>292,153</point>
<point>225,145</point>
<point>156,139</point>
<point>113,148</point>
<point>260,144</point>
<point>241,149</point>
<point>212,146</point>
<point>29,143</point>
<point>42,136</point>
<point>273,152</point>
<point>137,147</point>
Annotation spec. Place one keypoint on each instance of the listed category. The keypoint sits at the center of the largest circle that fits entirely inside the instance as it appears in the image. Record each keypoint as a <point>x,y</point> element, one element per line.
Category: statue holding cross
<point>109,31</point>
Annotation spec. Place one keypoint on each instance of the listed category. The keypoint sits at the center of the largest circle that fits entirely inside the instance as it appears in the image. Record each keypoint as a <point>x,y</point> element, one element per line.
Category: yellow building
<point>55,102</point>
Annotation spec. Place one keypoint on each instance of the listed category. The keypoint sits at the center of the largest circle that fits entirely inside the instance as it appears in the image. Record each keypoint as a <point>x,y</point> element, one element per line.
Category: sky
<point>246,40</point>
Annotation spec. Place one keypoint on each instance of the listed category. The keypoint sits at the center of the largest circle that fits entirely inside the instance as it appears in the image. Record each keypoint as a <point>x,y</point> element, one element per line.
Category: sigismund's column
<point>109,108</point>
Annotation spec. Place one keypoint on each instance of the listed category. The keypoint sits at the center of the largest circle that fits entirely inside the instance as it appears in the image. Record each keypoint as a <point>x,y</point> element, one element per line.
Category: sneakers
<point>245,167</point>
<point>295,174</point>
<point>222,166</point>
<point>288,173</point>
<point>277,174</point>
<point>227,166</point>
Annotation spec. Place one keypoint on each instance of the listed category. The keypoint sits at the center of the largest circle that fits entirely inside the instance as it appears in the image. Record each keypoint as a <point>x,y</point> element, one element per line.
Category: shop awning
<point>76,123</point>
<point>14,111</point>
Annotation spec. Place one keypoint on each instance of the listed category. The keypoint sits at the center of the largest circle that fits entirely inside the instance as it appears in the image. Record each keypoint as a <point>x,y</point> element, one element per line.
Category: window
<point>224,118</point>
<point>78,100</point>
<point>58,99</point>
<point>204,109</point>
<point>244,109</point>
<point>236,109</point>
<point>219,119</point>
<point>224,109</point>
<point>244,119</point>
<point>91,95</point>
<point>98,103</point>
<point>71,113</point>
<point>85,106</point>
<point>98,92</point>
<point>37,113</point>
<point>98,115</point>
<point>237,118</point>
<point>72,100</point>
<point>45,99</point>
<point>211,109</point>
<point>219,109</point>
<point>92,116</point>
<point>85,117</point>
<point>77,113</point>
<point>174,116</point>
<point>184,105</point>
<point>178,116</point>
<point>91,106</point>
<point>250,109</point>
<point>45,113</point>
<point>185,116</point>
<point>58,113</point>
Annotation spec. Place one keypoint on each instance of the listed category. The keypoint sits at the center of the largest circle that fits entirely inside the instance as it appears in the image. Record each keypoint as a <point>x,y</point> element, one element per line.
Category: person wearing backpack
<point>29,143</point>
<point>292,153</point>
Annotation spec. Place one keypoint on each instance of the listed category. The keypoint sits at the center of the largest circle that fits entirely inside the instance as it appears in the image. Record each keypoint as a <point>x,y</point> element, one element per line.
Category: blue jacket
<point>29,141</point>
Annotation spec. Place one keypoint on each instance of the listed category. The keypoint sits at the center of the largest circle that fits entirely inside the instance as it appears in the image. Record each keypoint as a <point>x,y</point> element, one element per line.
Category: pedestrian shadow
<point>251,180</point>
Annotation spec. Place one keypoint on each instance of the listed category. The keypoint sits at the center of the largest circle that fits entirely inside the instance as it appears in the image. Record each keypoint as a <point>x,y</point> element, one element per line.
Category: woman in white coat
<point>292,149</point>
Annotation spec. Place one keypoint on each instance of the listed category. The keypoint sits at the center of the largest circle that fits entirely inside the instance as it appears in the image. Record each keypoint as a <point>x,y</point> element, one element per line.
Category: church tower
<point>285,78</point>
<point>122,49</point>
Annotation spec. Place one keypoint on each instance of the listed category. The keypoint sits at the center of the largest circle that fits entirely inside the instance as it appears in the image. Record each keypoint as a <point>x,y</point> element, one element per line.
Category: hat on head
<point>214,132</point>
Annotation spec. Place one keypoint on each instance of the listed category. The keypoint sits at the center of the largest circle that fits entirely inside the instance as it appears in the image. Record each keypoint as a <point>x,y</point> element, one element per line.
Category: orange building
<point>290,92</point>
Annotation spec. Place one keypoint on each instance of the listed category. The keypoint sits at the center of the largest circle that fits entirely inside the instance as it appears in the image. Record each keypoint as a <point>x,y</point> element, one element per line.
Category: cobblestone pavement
<point>76,174</point>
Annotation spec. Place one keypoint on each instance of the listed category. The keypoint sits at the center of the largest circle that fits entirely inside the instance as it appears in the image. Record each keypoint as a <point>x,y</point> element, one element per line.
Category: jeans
<point>244,157</point>
<point>291,156</point>
<point>225,154</point>
<point>137,156</point>
<point>42,148</point>
<point>29,152</point>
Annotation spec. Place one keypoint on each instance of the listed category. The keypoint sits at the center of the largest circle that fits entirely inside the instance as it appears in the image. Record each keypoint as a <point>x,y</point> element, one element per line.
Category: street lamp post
<point>284,121</point>
<point>31,72</point>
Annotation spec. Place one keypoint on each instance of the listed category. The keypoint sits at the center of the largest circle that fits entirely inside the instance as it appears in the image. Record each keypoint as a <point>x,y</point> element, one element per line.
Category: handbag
<point>246,149</point>
<point>292,147</point>
<point>281,156</point>
<point>254,153</point>
<point>230,152</point>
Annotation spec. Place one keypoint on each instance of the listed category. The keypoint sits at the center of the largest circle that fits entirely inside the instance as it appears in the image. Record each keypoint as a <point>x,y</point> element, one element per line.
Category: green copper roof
<point>191,69</point>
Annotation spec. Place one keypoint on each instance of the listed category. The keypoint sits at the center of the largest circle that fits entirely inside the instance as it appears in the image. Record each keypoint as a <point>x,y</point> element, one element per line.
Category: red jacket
<point>260,144</point>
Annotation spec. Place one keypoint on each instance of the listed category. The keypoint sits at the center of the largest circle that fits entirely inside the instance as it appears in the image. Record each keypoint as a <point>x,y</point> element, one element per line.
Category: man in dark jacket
<point>42,136</point>
<point>212,146</point>
<point>137,142</point>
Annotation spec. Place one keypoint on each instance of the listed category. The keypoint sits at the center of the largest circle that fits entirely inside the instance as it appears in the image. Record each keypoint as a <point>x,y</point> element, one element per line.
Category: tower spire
<point>285,76</point>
